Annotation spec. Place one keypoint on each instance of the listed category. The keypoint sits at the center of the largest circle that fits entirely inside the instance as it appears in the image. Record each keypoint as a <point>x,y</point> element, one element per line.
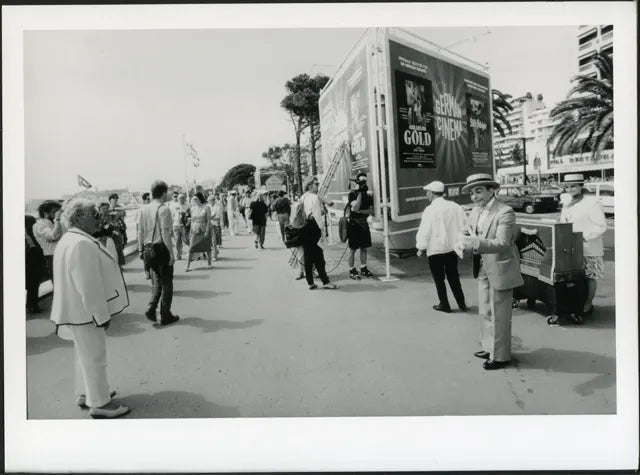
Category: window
<point>606,191</point>
<point>606,29</point>
<point>587,38</point>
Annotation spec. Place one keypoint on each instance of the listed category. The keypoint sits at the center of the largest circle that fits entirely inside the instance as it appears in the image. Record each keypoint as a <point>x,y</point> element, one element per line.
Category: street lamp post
<point>524,159</point>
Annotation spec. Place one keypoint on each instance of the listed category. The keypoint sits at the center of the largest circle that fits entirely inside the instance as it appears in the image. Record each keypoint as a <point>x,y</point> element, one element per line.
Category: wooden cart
<point>552,268</point>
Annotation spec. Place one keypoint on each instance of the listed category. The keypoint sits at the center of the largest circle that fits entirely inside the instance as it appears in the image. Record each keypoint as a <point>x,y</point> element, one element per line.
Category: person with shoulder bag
<point>154,240</point>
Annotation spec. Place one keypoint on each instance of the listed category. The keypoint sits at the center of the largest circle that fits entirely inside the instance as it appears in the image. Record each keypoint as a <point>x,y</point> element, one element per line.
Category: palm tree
<point>586,112</point>
<point>501,106</point>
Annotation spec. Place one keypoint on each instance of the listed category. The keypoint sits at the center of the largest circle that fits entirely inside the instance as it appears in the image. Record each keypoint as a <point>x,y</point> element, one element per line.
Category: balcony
<point>606,38</point>
<point>586,29</point>
<point>587,45</point>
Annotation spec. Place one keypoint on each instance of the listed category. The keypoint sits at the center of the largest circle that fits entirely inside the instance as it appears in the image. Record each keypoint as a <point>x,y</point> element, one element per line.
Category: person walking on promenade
<point>48,231</point>
<point>233,212</point>
<point>200,229</point>
<point>90,289</point>
<point>245,210</point>
<point>282,207</point>
<point>358,232</point>
<point>106,231</point>
<point>258,213</point>
<point>154,240</point>
<point>146,199</point>
<point>179,209</point>
<point>441,225</point>
<point>118,215</point>
<point>34,265</point>
<point>216,227</point>
<point>496,265</point>
<point>587,216</point>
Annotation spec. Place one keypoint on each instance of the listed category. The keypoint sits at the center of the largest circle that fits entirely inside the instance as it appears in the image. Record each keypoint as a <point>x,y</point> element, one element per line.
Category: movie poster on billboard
<point>414,111</point>
<point>478,124</point>
<point>345,121</point>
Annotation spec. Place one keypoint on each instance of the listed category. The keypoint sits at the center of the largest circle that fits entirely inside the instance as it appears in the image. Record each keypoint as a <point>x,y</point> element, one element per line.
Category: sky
<point>113,106</point>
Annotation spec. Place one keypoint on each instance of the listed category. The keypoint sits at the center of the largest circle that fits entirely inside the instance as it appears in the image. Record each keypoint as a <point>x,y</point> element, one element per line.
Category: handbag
<point>155,253</point>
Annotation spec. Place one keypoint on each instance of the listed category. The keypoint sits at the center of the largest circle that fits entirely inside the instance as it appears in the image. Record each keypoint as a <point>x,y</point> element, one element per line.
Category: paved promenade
<point>254,342</point>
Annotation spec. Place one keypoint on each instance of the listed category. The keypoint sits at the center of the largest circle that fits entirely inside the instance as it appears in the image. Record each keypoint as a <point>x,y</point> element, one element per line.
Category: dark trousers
<point>118,240</point>
<point>162,289</point>
<point>259,231</point>
<point>34,268</point>
<point>48,262</point>
<point>442,265</point>
<point>314,256</point>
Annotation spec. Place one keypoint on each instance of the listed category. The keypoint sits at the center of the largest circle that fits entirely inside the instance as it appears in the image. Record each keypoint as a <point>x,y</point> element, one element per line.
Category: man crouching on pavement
<point>90,289</point>
<point>358,233</point>
<point>496,264</point>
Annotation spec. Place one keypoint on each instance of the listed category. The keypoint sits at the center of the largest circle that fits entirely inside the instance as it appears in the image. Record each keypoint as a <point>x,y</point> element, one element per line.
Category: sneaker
<point>300,276</point>
<point>365,272</point>
<point>353,273</point>
<point>256,244</point>
<point>329,285</point>
<point>313,287</point>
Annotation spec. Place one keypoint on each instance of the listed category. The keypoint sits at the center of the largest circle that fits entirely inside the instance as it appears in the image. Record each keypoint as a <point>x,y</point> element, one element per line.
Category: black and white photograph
<point>261,239</point>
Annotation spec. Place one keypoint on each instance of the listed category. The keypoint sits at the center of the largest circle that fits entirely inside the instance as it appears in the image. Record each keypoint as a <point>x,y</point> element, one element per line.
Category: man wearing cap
<point>442,222</point>
<point>179,210</point>
<point>496,265</point>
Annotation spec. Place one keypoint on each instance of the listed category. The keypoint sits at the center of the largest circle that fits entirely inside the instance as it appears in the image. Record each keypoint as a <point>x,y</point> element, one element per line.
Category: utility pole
<point>524,159</point>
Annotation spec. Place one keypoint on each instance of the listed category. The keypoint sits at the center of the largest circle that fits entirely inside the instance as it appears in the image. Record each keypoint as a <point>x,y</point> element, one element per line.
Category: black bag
<point>155,253</point>
<point>343,223</point>
<point>292,236</point>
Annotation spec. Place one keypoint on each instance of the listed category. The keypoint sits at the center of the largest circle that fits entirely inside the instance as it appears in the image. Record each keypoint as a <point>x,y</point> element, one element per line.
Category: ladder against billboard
<point>410,113</point>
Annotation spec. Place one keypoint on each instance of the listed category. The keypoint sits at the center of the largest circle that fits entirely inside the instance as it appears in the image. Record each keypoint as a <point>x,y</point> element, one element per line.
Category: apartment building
<point>593,39</point>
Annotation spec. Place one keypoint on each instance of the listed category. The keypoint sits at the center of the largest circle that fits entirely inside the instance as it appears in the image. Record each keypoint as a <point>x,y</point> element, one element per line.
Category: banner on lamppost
<point>191,151</point>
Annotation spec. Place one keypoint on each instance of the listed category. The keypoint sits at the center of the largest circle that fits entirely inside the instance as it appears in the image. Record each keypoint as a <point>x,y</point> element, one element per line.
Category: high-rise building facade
<point>591,40</point>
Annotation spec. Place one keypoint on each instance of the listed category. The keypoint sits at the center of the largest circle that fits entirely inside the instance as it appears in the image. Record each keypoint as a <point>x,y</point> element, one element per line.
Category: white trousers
<point>234,217</point>
<point>495,311</point>
<point>247,212</point>
<point>90,348</point>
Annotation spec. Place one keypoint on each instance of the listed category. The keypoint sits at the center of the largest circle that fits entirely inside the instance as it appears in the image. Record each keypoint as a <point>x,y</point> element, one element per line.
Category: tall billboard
<point>440,125</point>
<point>345,119</point>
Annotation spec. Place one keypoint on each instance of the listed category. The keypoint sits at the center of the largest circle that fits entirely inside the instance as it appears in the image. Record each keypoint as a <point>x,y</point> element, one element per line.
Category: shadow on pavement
<point>189,277</point>
<point>237,258</point>
<point>139,287</point>
<point>43,344</point>
<point>232,267</point>
<point>199,294</point>
<point>603,317</point>
<point>174,404</point>
<point>208,326</point>
<point>126,324</point>
<point>353,287</point>
<point>568,361</point>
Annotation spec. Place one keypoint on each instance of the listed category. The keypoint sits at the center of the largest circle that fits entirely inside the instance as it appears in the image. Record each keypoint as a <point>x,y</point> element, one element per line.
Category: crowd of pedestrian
<point>79,245</point>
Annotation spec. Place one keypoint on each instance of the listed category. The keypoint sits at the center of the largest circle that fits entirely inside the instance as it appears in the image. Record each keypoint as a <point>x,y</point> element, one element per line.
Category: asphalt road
<point>254,342</point>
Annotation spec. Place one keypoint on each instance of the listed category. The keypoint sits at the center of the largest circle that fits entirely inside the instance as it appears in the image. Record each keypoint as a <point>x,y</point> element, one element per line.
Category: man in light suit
<point>90,289</point>
<point>496,265</point>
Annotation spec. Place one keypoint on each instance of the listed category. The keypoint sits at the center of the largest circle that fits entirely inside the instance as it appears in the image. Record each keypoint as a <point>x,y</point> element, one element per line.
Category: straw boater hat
<point>435,186</point>
<point>573,179</point>
<point>480,179</point>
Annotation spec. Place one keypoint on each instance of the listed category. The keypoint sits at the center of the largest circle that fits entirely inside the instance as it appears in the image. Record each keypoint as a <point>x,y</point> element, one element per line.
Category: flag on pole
<point>83,182</point>
<point>191,151</point>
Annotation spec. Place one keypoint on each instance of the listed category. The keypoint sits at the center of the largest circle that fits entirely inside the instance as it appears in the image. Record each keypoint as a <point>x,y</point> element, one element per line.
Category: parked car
<point>528,199</point>
<point>605,191</point>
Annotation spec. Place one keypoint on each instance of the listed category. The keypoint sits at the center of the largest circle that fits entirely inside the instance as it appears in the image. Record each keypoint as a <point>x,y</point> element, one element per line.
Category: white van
<point>604,190</point>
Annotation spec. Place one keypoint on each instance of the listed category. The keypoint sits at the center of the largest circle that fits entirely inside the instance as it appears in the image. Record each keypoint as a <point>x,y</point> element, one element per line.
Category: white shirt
<point>312,206</point>
<point>442,221</point>
<point>176,207</point>
<point>46,235</point>
<point>588,218</point>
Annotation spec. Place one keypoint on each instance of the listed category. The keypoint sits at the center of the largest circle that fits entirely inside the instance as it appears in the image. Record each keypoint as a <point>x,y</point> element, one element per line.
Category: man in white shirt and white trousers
<point>442,222</point>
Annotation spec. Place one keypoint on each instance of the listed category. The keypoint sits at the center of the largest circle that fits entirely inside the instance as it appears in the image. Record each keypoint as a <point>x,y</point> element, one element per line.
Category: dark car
<point>528,199</point>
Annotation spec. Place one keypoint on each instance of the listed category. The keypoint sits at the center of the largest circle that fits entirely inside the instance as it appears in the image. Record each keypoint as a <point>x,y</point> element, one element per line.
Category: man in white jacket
<point>90,289</point>
<point>442,222</point>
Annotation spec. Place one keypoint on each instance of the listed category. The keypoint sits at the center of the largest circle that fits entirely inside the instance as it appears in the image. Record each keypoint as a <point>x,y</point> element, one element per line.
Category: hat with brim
<point>435,186</point>
<point>573,179</point>
<point>480,179</point>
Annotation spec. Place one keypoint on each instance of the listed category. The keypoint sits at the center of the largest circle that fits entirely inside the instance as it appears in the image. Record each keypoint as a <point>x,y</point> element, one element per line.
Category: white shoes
<point>98,413</point>
<point>82,399</point>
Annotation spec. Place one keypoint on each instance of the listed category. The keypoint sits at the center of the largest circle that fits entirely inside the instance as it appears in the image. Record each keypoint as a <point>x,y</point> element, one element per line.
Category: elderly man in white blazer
<point>90,289</point>
<point>496,265</point>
